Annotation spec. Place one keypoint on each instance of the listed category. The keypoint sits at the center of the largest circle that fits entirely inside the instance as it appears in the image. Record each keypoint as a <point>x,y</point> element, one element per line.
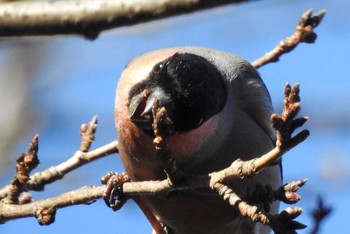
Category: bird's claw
<point>113,193</point>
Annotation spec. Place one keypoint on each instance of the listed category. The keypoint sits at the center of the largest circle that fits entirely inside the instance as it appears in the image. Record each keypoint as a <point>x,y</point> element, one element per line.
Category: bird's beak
<point>141,105</point>
<point>140,110</point>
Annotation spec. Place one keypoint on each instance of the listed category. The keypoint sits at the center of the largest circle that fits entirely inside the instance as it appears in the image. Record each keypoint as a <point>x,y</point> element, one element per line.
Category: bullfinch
<point>220,110</point>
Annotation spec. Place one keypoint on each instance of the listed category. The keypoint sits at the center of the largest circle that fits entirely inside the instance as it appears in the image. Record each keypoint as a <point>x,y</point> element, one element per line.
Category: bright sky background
<point>78,79</point>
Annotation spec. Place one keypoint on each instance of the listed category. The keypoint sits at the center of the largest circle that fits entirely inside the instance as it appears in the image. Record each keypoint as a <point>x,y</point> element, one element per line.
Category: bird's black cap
<point>189,87</point>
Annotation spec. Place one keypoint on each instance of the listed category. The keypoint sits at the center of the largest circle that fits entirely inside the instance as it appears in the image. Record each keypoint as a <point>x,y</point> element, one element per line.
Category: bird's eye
<point>157,68</point>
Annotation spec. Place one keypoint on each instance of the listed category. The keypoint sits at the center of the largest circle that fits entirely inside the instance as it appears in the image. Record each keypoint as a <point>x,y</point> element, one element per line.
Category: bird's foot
<point>113,193</point>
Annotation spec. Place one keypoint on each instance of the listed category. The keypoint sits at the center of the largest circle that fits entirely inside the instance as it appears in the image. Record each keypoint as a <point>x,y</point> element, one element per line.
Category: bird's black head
<point>189,87</point>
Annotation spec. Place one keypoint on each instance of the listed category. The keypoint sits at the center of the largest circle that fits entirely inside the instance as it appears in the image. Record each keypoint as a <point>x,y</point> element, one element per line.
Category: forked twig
<point>12,205</point>
<point>25,164</point>
<point>81,157</point>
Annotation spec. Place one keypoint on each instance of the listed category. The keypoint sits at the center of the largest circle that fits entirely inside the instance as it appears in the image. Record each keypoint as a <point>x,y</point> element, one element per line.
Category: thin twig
<point>38,180</point>
<point>303,33</point>
<point>163,130</point>
<point>285,124</point>
<point>25,164</point>
<point>87,132</point>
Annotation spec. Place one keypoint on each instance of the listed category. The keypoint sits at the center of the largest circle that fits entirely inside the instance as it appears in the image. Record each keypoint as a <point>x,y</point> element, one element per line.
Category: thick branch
<point>88,18</point>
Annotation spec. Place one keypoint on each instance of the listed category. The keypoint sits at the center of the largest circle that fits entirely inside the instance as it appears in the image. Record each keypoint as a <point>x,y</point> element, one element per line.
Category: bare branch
<point>25,164</point>
<point>163,129</point>
<point>44,209</point>
<point>11,207</point>
<point>38,180</point>
<point>303,33</point>
<point>87,132</point>
<point>119,185</point>
<point>285,125</point>
<point>88,18</point>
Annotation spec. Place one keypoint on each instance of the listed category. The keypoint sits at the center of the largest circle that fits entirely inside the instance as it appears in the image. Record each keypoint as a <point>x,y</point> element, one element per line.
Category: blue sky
<point>78,79</point>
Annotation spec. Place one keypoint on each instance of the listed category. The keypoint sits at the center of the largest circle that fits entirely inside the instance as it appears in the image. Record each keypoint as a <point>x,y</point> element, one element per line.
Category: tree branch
<point>177,182</point>
<point>81,157</point>
<point>88,18</point>
<point>44,209</point>
<point>25,164</point>
<point>303,33</point>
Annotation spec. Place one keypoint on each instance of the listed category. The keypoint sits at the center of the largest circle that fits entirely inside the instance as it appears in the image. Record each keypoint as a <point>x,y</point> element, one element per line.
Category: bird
<point>220,109</point>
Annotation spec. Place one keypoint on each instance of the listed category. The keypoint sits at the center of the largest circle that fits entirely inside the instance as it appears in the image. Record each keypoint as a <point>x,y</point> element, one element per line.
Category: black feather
<point>195,86</point>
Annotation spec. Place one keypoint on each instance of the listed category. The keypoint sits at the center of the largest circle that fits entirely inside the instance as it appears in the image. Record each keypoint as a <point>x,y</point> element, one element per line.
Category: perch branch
<point>303,33</point>
<point>44,210</point>
<point>285,125</point>
<point>88,18</point>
